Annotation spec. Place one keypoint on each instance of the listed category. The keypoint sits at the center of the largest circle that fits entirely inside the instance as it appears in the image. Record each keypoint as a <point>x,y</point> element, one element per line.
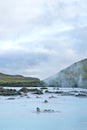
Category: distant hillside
<point>73,76</point>
<point>19,81</point>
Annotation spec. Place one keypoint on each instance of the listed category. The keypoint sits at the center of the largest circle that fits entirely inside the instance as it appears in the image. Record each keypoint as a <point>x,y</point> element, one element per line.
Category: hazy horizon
<point>39,38</point>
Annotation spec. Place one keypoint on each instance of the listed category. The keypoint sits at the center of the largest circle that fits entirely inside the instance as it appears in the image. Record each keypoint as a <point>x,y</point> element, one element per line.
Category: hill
<point>73,76</point>
<point>19,81</point>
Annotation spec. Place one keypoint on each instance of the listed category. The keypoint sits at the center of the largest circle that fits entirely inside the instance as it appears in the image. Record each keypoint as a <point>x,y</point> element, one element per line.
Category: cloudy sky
<point>40,37</point>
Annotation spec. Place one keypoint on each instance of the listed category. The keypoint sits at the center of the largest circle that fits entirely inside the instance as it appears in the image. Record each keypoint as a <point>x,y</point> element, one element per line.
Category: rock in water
<point>37,109</point>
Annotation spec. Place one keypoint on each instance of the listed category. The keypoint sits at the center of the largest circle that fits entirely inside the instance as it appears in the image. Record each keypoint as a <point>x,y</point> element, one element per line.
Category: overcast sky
<point>40,37</point>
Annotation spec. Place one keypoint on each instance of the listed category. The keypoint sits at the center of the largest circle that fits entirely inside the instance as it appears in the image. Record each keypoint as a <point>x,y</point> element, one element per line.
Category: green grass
<point>19,81</point>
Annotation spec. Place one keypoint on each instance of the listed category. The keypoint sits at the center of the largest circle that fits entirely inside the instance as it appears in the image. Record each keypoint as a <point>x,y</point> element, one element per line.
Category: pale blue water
<point>20,114</point>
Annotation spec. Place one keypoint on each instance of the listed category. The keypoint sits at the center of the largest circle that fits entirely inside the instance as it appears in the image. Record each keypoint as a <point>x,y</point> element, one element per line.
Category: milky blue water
<point>20,114</point>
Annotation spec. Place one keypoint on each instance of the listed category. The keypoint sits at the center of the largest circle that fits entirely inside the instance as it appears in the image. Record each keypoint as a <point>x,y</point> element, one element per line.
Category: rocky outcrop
<point>73,76</point>
<point>22,92</point>
<point>32,90</point>
<point>9,92</point>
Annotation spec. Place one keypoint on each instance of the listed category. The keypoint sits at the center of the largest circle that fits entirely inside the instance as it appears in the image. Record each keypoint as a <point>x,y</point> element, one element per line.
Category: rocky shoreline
<point>40,91</point>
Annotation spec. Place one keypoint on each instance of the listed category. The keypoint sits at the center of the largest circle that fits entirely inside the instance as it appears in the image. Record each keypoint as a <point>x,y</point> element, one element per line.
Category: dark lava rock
<point>45,101</point>
<point>33,91</point>
<point>52,97</point>
<point>39,92</point>
<point>24,90</point>
<point>11,98</point>
<point>9,92</point>
<point>81,95</point>
<point>59,92</point>
<point>43,88</point>
<point>38,109</point>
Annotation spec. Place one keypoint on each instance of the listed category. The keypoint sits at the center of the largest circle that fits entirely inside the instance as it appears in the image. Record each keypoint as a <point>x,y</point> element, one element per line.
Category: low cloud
<point>39,38</point>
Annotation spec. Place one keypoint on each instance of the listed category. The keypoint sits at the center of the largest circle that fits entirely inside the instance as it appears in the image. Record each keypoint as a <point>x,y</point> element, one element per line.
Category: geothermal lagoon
<point>66,112</point>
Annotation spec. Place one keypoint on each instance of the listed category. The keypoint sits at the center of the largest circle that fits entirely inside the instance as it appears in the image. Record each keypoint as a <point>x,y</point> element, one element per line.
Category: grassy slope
<point>18,80</point>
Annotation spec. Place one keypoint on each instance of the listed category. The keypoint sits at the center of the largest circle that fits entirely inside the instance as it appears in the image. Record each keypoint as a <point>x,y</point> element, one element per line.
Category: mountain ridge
<point>16,76</point>
<point>19,81</point>
<point>74,75</point>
